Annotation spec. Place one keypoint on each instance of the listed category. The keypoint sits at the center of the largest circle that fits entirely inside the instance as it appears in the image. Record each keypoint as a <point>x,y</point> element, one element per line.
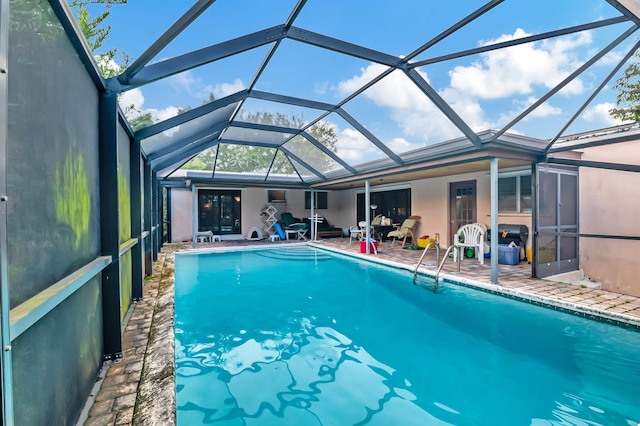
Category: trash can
<point>363,245</point>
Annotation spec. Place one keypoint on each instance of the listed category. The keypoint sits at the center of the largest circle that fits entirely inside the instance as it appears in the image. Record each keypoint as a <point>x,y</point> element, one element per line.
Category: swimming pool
<point>301,337</point>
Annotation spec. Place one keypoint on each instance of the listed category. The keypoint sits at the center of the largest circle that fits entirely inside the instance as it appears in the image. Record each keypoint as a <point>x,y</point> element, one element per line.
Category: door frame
<point>453,220</point>
<point>542,266</point>
<point>236,194</point>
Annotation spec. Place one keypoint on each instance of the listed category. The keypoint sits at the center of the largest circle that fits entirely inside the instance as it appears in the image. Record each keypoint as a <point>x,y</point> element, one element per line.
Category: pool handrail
<point>444,259</point>
<point>424,253</point>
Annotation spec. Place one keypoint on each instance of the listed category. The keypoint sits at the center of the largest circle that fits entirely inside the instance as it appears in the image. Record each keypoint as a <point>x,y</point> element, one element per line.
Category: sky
<point>486,90</point>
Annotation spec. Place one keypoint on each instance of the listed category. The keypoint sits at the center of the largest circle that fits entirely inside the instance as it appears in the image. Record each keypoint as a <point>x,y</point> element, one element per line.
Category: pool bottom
<point>305,378</point>
<point>370,372</point>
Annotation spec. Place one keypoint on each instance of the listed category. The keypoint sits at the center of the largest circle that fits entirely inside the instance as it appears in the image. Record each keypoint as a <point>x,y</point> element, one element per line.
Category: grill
<point>517,234</point>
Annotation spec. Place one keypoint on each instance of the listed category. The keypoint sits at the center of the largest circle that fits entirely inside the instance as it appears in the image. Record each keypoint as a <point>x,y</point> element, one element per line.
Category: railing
<point>444,259</point>
<point>424,253</point>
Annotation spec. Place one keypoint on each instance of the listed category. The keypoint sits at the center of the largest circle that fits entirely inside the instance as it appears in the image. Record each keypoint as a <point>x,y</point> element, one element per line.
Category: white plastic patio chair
<point>471,235</point>
<point>354,231</point>
<point>363,229</point>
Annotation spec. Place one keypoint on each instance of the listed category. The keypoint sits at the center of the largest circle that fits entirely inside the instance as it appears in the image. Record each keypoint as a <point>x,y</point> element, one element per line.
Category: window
<point>275,195</point>
<point>321,201</point>
<point>394,204</point>
<point>219,211</point>
<point>514,194</point>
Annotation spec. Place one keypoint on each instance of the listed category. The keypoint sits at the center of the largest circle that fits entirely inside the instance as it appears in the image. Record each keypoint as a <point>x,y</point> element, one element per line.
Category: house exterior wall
<point>345,216</point>
<point>430,199</point>
<point>608,206</point>
<point>253,201</point>
<point>180,215</point>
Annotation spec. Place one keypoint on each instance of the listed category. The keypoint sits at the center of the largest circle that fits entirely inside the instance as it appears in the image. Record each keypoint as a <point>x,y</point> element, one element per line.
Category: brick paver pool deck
<point>140,389</point>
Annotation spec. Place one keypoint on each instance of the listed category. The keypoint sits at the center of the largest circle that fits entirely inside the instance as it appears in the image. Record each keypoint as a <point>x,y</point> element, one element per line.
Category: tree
<point>96,32</point>
<point>628,98</point>
<point>240,158</point>
<point>141,121</point>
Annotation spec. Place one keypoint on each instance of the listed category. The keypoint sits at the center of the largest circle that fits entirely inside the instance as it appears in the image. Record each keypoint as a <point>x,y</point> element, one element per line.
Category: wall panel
<point>55,362</point>
<point>52,214</point>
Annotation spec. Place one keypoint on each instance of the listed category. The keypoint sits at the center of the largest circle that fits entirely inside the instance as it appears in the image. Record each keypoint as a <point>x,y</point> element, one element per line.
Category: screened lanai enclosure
<point>291,95</point>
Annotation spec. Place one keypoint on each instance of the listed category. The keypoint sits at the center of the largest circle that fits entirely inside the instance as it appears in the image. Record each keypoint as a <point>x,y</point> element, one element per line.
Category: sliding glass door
<point>394,204</point>
<point>219,211</point>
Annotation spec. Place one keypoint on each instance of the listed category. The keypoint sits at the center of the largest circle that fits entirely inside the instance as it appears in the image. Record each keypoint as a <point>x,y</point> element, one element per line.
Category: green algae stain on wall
<point>126,283</point>
<point>124,207</point>
<point>73,198</point>
<point>124,219</point>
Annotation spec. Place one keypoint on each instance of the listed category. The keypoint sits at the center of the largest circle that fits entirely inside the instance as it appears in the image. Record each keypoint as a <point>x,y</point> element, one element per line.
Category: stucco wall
<point>180,215</point>
<point>253,200</point>
<point>345,215</point>
<point>608,205</point>
<point>430,199</point>
<point>334,214</point>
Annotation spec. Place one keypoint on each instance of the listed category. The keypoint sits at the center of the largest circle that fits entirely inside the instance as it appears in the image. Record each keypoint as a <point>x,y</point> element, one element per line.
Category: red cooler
<point>372,249</point>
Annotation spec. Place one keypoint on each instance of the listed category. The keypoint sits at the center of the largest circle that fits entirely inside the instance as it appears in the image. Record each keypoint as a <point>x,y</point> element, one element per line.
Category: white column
<point>313,223</point>
<point>367,214</point>
<point>194,214</point>
<point>494,220</point>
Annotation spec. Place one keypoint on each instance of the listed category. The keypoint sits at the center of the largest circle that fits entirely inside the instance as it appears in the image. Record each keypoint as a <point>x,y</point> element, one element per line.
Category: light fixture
<point>373,208</point>
<point>237,198</point>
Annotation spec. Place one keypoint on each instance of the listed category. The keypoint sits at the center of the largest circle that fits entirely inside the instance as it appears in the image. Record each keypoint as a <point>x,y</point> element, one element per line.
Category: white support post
<point>314,224</point>
<point>194,214</point>
<point>494,220</point>
<point>367,214</point>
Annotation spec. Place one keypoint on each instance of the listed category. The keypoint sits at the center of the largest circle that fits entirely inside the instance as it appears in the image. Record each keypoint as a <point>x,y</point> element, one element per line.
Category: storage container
<point>372,249</point>
<point>508,255</point>
<point>422,242</point>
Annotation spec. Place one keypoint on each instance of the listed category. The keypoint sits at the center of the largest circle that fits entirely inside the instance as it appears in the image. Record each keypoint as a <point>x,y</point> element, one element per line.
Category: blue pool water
<point>298,336</point>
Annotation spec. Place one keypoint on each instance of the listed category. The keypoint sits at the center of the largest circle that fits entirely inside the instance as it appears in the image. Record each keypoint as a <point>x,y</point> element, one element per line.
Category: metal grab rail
<point>424,253</point>
<point>444,259</point>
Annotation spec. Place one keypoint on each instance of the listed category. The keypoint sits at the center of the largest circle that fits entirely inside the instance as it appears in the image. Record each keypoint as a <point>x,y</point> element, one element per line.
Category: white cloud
<point>346,87</point>
<point>354,147</point>
<point>163,114</point>
<point>613,57</point>
<point>193,86</point>
<point>521,72</point>
<point>517,70</point>
<point>321,88</point>
<point>600,114</point>
<point>544,110</point>
<point>187,83</point>
<point>132,102</point>
<point>226,89</point>
<point>413,112</point>
<point>468,108</point>
<point>401,145</point>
